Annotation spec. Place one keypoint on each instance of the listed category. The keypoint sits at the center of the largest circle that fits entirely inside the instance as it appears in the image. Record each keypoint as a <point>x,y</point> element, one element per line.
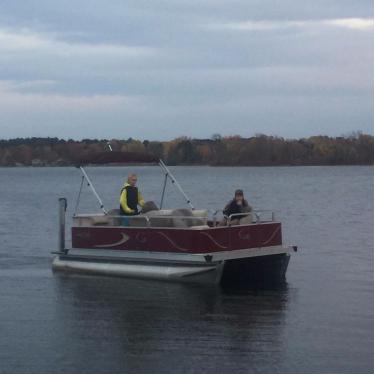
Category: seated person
<point>236,206</point>
<point>130,197</point>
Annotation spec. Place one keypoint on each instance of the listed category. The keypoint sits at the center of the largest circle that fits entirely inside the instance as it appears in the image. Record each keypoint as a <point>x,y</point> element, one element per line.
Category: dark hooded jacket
<point>233,208</point>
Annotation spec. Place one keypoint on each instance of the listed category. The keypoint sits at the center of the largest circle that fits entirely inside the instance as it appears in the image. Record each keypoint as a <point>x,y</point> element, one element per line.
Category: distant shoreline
<point>181,165</point>
<point>231,151</point>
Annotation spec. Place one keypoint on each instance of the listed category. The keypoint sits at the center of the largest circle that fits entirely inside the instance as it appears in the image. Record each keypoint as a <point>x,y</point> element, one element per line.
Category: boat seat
<point>171,218</point>
<point>188,218</point>
<point>92,220</point>
<point>246,220</point>
<point>203,213</point>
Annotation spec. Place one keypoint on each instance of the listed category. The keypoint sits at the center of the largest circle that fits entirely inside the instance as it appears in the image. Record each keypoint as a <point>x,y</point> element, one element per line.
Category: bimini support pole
<point>93,189</point>
<point>163,190</point>
<point>62,203</point>
<point>174,181</point>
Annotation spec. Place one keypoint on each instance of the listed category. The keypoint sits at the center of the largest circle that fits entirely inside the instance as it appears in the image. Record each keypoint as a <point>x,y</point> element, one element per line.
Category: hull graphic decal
<point>213,240</point>
<point>124,239</point>
<point>244,235</point>
<point>272,235</point>
<point>175,245</point>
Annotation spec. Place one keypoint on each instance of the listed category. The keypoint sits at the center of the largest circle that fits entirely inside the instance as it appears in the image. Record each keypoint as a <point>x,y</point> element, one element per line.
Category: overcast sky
<point>161,69</point>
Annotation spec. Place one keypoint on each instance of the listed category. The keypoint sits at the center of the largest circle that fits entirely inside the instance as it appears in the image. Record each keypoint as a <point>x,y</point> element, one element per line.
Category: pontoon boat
<point>188,245</point>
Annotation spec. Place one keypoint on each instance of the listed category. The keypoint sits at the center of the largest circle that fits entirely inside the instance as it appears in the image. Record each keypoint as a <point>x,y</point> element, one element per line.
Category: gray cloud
<point>163,69</point>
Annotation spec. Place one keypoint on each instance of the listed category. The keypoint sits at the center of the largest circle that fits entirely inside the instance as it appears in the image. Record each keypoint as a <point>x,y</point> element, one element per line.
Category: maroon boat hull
<point>178,240</point>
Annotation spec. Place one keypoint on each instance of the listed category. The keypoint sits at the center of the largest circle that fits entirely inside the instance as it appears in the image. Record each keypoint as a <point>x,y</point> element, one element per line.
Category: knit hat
<point>239,192</point>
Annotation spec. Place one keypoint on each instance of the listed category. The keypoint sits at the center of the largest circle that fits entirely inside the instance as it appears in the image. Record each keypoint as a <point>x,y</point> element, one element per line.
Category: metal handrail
<point>148,219</point>
<point>234,215</point>
<point>257,213</point>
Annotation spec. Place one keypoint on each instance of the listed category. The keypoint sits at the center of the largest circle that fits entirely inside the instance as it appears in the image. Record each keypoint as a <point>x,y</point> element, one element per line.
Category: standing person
<point>130,197</point>
<point>237,205</point>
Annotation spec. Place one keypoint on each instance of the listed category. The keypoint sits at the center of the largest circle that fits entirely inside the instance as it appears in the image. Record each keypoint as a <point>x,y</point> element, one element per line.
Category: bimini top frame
<point>165,169</point>
<point>168,174</point>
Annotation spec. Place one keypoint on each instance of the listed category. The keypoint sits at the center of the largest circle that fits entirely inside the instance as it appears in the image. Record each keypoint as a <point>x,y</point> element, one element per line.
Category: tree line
<point>259,150</point>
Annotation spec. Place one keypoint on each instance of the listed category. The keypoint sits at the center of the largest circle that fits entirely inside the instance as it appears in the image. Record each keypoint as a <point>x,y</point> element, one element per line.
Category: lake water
<point>321,321</point>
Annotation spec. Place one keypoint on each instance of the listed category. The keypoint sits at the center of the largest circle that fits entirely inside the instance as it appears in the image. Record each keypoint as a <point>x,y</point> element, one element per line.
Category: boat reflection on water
<point>147,326</point>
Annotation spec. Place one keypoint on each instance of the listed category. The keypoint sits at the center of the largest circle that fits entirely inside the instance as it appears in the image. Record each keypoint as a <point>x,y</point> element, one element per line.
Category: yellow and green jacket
<point>130,199</point>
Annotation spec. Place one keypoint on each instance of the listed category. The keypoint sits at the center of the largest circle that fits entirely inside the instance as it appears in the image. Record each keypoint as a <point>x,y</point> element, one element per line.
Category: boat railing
<point>167,221</point>
<point>257,216</point>
<point>212,218</point>
<point>142,220</point>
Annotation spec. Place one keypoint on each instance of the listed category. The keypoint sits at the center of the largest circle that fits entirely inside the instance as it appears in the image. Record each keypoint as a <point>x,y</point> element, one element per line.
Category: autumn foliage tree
<point>259,150</point>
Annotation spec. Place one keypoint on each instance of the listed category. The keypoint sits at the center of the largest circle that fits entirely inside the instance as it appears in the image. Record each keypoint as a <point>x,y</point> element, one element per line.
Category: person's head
<point>132,179</point>
<point>239,195</point>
